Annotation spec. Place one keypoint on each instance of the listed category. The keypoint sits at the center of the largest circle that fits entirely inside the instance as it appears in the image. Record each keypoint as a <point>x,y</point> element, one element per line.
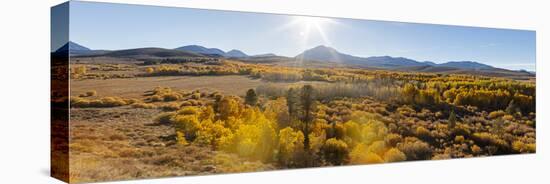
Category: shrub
<point>476,150</point>
<point>362,154</point>
<point>88,94</point>
<point>253,138</point>
<point>149,70</point>
<point>508,117</point>
<point>393,139</point>
<point>521,147</point>
<point>459,139</point>
<point>143,105</point>
<point>335,151</point>
<point>488,139</point>
<point>164,118</point>
<point>164,94</point>
<point>210,133</point>
<point>415,149</point>
<point>496,114</point>
<point>423,133</point>
<point>170,106</point>
<point>394,155</point>
<point>102,102</point>
<point>188,124</point>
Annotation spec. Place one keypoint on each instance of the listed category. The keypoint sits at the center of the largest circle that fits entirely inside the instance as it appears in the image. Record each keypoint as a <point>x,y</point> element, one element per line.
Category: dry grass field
<point>127,143</point>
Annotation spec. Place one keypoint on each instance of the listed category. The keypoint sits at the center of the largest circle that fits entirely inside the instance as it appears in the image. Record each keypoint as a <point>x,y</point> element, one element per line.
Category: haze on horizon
<point>117,26</point>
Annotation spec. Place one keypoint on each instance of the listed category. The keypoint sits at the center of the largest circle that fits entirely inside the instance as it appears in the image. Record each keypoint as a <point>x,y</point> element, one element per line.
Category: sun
<point>306,24</point>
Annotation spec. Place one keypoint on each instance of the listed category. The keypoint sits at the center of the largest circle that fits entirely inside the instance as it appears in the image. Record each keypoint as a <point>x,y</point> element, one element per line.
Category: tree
<point>511,109</point>
<point>292,102</point>
<point>251,97</point>
<point>308,107</point>
<point>452,120</point>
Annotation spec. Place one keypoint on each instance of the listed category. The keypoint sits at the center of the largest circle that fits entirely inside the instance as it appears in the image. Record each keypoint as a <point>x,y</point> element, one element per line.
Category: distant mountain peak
<point>323,53</point>
<point>235,53</point>
<point>201,50</point>
<point>466,65</point>
<point>322,48</point>
<point>72,46</point>
<point>265,55</point>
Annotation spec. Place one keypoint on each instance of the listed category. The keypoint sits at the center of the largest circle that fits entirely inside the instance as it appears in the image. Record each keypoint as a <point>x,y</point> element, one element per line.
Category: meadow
<point>177,117</point>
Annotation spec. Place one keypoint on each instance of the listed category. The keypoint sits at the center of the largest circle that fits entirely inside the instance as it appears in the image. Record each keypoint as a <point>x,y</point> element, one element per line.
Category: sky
<point>118,26</point>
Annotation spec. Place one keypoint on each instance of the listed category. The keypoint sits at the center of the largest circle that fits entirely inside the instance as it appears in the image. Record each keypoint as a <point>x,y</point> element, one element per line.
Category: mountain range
<point>328,54</point>
<point>319,54</point>
<point>212,51</point>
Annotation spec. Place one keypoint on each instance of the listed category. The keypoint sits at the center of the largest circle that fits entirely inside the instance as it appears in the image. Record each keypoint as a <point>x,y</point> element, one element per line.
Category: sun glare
<point>306,24</point>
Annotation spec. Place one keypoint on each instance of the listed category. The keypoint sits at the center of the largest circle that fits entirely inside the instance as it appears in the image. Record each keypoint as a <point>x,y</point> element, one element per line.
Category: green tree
<point>251,97</point>
<point>292,102</point>
<point>307,100</point>
<point>452,120</point>
<point>511,109</point>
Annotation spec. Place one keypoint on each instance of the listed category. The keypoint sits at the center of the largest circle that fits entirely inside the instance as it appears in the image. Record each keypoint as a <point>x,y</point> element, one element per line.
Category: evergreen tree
<point>307,100</point>
<point>292,102</point>
<point>452,120</point>
<point>251,97</point>
<point>511,109</point>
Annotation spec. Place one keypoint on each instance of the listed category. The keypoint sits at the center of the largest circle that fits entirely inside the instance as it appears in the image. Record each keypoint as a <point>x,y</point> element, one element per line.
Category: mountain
<point>75,49</point>
<point>72,48</point>
<point>264,55</point>
<point>328,54</point>
<point>389,61</point>
<point>201,50</point>
<point>235,53</point>
<point>466,65</point>
<point>150,52</point>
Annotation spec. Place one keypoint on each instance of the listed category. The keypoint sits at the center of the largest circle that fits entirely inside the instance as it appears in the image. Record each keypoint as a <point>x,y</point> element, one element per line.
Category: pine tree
<point>251,97</point>
<point>452,120</point>
<point>308,107</point>
<point>511,109</point>
<point>292,102</point>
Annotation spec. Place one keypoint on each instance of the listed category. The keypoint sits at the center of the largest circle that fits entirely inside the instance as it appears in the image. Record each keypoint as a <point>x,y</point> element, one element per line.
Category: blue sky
<point>117,26</point>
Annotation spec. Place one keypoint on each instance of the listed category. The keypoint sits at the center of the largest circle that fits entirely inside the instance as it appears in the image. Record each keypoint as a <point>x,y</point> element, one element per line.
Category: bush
<point>164,94</point>
<point>521,147</point>
<point>102,102</point>
<point>394,155</point>
<point>88,94</point>
<point>335,151</point>
<point>496,114</point>
<point>143,105</point>
<point>393,139</point>
<point>363,154</point>
<point>423,133</point>
<point>459,139</point>
<point>164,118</point>
<point>488,139</point>
<point>173,106</point>
<point>254,136</point>
<point>187,124</point>
<point>415,149</point>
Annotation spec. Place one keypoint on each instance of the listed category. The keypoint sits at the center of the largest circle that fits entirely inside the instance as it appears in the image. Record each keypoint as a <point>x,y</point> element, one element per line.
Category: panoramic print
<point>161,91</point>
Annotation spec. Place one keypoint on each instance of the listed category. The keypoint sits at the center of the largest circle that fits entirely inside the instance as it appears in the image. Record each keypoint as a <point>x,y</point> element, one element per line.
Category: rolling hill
<point>150,52</point>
